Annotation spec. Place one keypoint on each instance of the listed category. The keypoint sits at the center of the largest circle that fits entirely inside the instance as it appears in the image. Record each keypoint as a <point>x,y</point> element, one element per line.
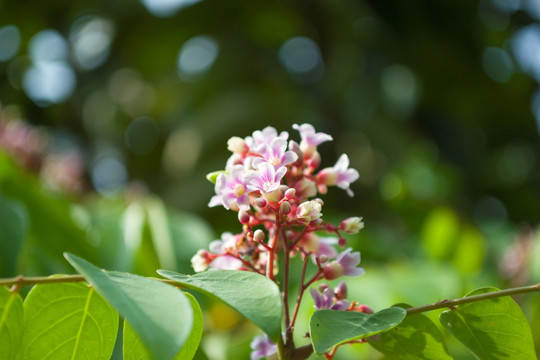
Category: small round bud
<point>323,259</point>
<point>243,217</point>
<point>342,242</point>
<point>333,270</point>
<point>290,193</point>
<point>259,235</point>
<point>316,222</point>
<point>363,309</point>
<point>285,207</point>
<point>289,234</point>
<point>260,202</point>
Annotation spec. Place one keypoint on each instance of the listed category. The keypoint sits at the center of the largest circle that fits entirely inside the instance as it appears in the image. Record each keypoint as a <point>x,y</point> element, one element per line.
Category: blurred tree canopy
<point>435,102</point>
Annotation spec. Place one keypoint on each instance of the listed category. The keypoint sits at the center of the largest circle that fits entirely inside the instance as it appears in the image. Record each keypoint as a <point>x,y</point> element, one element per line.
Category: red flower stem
<point>300,294</point>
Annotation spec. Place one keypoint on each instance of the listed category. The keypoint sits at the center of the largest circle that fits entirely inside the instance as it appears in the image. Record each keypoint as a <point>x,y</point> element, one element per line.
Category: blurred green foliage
<point>434,102</point>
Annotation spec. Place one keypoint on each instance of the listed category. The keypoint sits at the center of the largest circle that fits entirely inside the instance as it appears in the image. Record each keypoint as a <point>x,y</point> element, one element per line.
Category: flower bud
<point>313,161</point>
<point>323,259</point>
<point>352,225</point>
<point>308,211</point>
<point>333,270</point>
<point>293,146</point>
<point>243,217</point>
<point>290,193</point>
<point>341,291</point>
<point>342,242</point>
<point>237,145</point>
<point>259,235</point>
<point>260,203</point>
<point>363,309</point>
<point>322,287</point>
<point>285,207</point>
<point>305,188</point>
<point>328,176</point>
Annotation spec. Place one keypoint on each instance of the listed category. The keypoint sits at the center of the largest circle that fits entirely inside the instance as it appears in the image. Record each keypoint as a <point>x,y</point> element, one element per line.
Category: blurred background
<point>113,112</point>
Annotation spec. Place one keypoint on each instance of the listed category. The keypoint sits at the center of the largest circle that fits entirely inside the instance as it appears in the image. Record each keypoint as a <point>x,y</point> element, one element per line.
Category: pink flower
<point>266,179</point>
<point>339,175</point>
<point>231,190</point>
<point>262,347</point>
<point>226,262</point>
<point>275,153</point>
<point>310,139</point>
<point>345,264</point>
<point>327,300</point>
<point>265,137</point>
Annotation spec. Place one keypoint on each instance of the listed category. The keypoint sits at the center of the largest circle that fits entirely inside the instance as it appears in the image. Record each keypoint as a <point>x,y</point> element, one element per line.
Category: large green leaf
<point>161,315</point>
<point>67,321</point>
<point>11,324</point>
<point>252,295</point>
<point>491,329</point>
<point>415,338</point>
<point>329,328</point>
<point>133,348</point>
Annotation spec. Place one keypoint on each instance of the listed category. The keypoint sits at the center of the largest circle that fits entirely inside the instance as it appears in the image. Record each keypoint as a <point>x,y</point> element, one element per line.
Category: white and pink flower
<point>231,190</point>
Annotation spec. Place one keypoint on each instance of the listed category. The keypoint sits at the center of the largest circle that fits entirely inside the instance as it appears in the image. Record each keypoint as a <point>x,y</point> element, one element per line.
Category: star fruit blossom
<point>231,190</point>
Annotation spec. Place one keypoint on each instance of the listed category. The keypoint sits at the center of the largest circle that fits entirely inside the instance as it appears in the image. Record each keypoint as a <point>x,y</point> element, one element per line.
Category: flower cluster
<point>273,183</point>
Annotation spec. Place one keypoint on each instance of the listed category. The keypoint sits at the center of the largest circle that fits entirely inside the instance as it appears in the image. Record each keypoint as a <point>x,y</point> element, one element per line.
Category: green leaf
<point>160,314</point>
<point>133,348</point>
<point>11,324</point>
<point>252,295</point>
<point>329,328</point>
<point>68,321</point>
<point>212,177</point>
<point>415,338</point>
<point>12,232</point>
<point>491,329</point>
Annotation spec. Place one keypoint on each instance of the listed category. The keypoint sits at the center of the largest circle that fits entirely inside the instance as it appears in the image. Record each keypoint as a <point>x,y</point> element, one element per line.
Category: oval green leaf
<point>133,348</point>
<point>67,321</point>
<point>12,233</point>
<point>329,328</point>
<point>11,324</point>
<point>252,295</point>
<point>491,329</point>
<point>160,314</point>
<point>415,338</point>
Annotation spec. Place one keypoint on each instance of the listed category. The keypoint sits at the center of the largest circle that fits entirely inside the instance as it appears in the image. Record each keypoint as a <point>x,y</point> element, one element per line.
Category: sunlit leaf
<point>415,338</point>
<point>329,328</point>
<point>133,348</point>
<point>161,315</point>
<point>253,295</point>
<point>11,324</point>
<point>67,321</point>
<point>491,329</point>
<point>439,233</point>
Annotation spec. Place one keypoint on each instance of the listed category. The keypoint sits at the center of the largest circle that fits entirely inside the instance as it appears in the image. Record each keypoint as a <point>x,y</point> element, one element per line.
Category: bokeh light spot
<point>48,45</point>
<point>108,175</point>
<point>526,48</point>
<point>91,38</point>
<point>196,57</point>
<point>142,135</point>
<point>301,56</point>
<point>400,88</point>
<point>390,186</point>
<point>10,40</point>
<point>49,82</point>
<point>166,8</point>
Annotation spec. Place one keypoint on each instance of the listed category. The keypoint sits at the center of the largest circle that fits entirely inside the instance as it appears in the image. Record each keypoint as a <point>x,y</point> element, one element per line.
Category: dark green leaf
<point>160,314</point>
<point>133,348</point>
<point>12,232</point>
<point>491,329</point>
<point>329,328</point>
<point>68,321</point>
<point>416,338</point>
<point>252,295</point>
<point>11,324</point>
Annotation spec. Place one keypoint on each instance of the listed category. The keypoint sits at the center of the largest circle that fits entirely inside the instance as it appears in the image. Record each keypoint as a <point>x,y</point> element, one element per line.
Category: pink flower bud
<point>322,287</point>
<point>290,193</point>
<point>363,309</point>
<point>260,203</point>
<point>342,242</point>
<point>243,217</point>
<point>323,259</point>
<point>328,176</point>
<point>308,211</point>
<point>333,270</point>
<point>341,291</point>
<point>352,225</point>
